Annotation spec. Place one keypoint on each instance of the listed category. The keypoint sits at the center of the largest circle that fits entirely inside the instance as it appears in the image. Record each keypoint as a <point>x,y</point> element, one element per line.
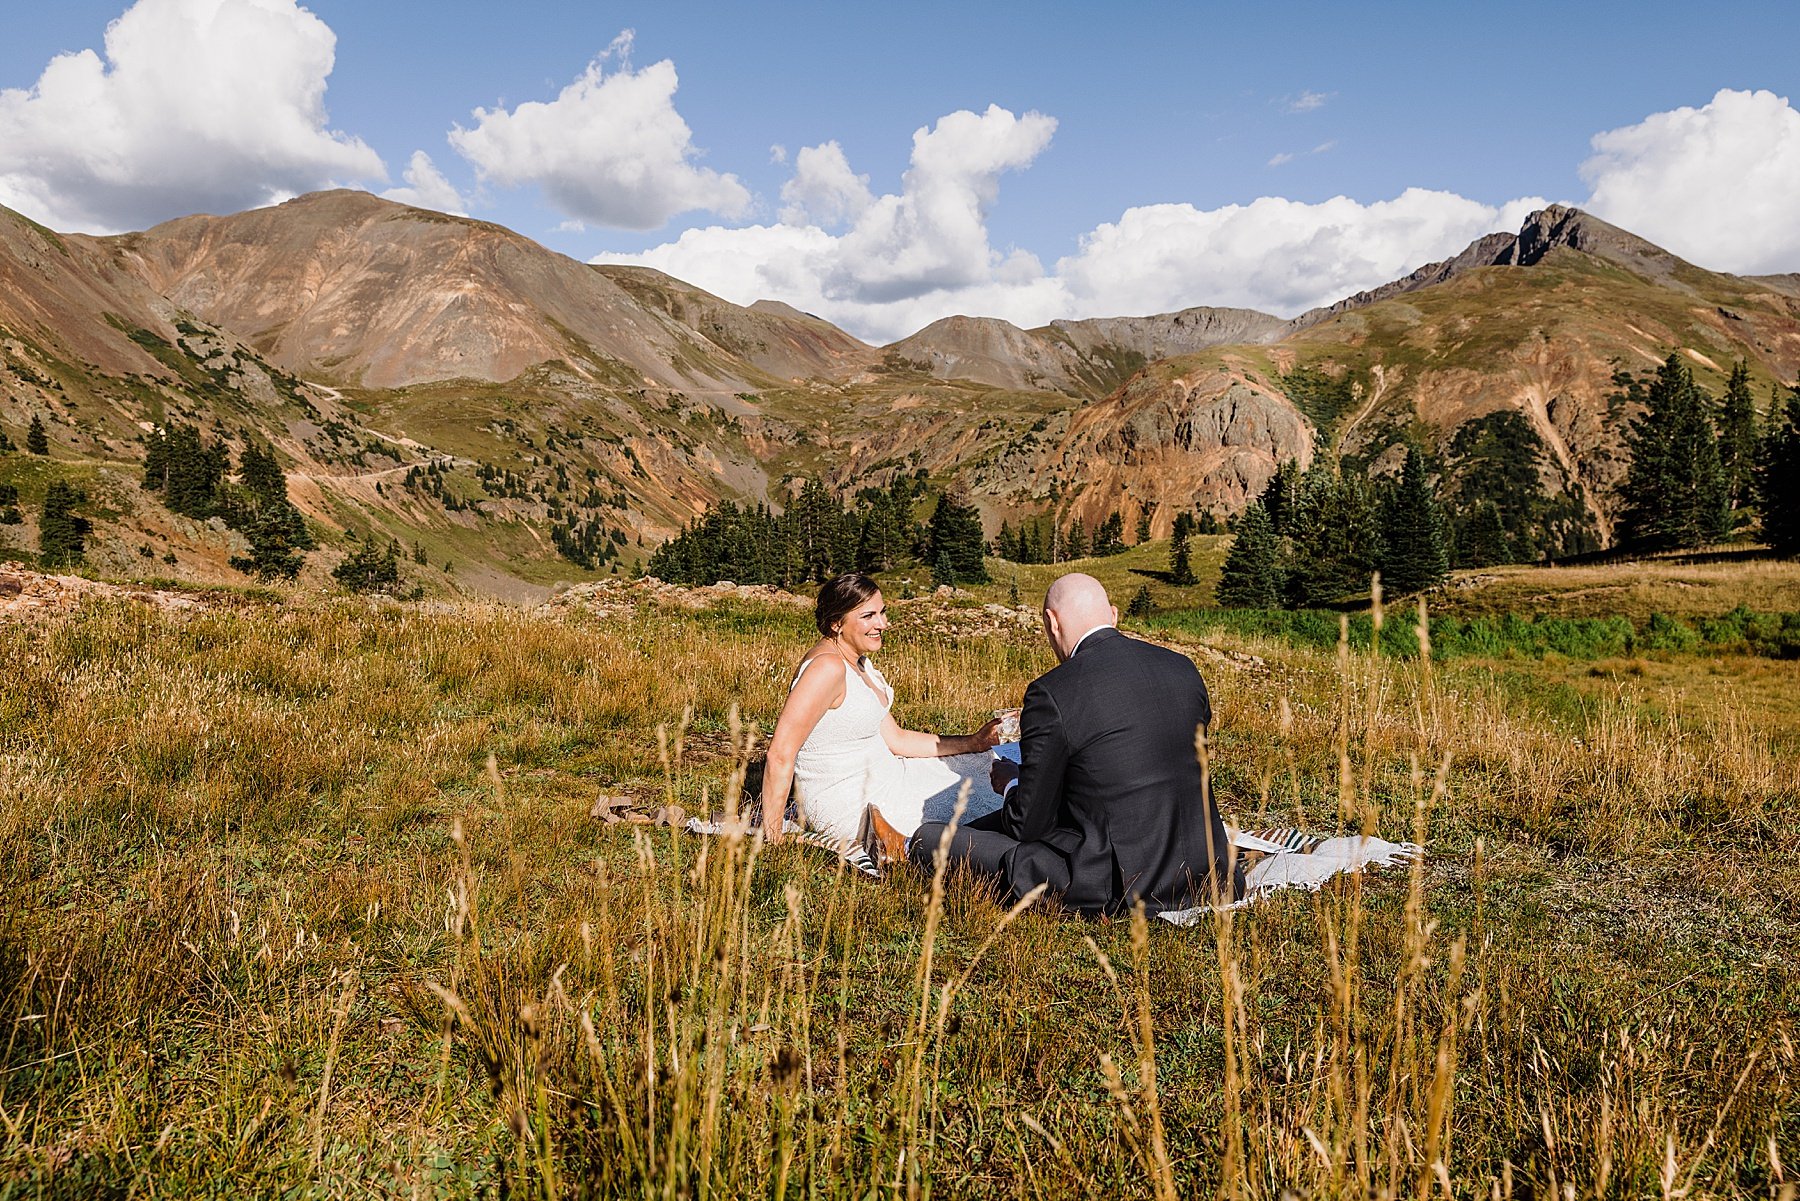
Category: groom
<point>1107,807</point>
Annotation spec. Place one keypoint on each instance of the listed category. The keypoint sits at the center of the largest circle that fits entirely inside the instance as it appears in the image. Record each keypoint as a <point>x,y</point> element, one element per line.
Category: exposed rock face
<point>1162,444</point>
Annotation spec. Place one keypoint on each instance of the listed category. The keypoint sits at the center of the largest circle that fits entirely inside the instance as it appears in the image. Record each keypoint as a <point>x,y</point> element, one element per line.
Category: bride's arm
<point>916,744</point>
<point>818,690</point>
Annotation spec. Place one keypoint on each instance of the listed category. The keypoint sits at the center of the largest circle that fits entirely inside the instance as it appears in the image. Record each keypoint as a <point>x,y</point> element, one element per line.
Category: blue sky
<point>1197,105</point>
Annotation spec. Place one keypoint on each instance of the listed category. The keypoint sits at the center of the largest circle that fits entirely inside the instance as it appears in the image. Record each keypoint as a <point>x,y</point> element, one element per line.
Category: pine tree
<point>1414,554</point>
<point>943,571</point>
<point>1181,571</point>
<point>370,568</point>
<point>1281,495</point>
<point>62,533</point>
<point>1252,575</point>
<point>9,505</point>
<point>1335,531</point>
<point>6,444</point>
<point>1109,538</point>
<point>1142,603</point>
<point>956,536</point>
<point>1006,544</point>
<point>1737,437</point>
<point>36,440</point>
<point>1481,539</point>
<point>1778,478</point>
<point>883,544</point>
<point>1077,545</point>
<point>1143,526</point>
<point>1675,492</point>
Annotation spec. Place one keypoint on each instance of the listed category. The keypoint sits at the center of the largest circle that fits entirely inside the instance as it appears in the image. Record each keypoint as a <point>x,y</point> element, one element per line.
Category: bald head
<point>1074,605</point>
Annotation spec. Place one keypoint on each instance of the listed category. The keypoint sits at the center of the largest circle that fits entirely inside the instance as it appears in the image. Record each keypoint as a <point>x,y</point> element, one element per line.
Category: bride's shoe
<point>883,843</point>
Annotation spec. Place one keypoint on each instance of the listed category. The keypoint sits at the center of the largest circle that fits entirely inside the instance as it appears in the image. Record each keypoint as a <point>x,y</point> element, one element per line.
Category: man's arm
<point>1031,806</point>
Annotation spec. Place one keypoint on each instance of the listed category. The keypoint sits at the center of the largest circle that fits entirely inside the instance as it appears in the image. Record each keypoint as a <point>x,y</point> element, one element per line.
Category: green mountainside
<point>489,404</point>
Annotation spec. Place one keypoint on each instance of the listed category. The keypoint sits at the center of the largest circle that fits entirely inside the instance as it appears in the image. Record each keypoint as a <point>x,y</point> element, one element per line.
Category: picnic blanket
<point>1275,858</point>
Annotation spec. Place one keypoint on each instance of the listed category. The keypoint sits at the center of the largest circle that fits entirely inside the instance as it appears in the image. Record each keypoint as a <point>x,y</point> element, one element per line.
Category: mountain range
<point>453,384</point>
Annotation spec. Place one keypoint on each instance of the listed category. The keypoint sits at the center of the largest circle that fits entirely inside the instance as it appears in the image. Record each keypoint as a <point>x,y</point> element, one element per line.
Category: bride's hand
<point>988,736</point>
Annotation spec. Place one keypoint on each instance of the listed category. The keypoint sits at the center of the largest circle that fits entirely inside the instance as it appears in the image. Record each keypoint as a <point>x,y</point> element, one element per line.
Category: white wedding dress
<point>845,765</point>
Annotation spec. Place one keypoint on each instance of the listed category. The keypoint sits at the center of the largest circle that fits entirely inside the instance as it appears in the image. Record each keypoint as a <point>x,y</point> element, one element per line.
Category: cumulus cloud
<point>609,150</point>
<point>909,258</point>
<point>824,190</point>
<point>1306,102</point>
<point>195,105</point>
<point>427,188</point>
<point>904,258</point>
<point>1718,185</point>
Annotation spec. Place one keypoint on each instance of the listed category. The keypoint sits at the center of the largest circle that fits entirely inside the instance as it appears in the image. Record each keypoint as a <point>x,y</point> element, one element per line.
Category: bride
<point>857,772</point>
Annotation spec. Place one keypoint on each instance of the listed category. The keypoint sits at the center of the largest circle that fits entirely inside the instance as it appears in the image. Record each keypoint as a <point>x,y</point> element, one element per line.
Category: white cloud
<point>1280,256</point>
<point>1281,160</point>
<point>1306,102</point>
<point>1718,185</point>
<point>908,259</point>
<point>427,188</point>
<point>609,150</point>
<point>778,153</point>
<point>196,105</point>
<point>824,190</point>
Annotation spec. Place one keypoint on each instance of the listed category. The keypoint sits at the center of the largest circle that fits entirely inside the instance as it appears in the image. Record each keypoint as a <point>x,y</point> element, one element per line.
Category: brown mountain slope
<point>354,289</point>
<point>773,338</point>
<point>1088,357</point>
<point>58,290</point>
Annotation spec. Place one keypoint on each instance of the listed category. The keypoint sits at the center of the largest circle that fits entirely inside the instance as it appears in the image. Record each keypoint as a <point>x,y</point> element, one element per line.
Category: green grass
<point>245,847</point>
<point>1740,631</point>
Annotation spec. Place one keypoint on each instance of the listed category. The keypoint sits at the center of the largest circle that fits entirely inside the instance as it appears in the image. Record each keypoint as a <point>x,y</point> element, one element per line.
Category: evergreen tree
<point>1006,544</point>
<point>188,472</point>
<point>883,542</point>
<point>1143,526</point>
<point>1335,532</point>
<point>62,533</point>
<point>1109,539</point>
<point>1778,478</point>
<point>6,444</point>
<point>1675,491</point>
<point>1481,540</point>
<point>1737,437</point>
<point>1414,554</point>
<point>1181,571</point>
<point>1077,545</point>
<point>1252,575</point>
<point>1281,495</point>
<point>956,537</point>
<point>9,505</point>
<point>36,440</point>
<point>370,568</point>
<point>943,571</point>
<point>1142,603</point>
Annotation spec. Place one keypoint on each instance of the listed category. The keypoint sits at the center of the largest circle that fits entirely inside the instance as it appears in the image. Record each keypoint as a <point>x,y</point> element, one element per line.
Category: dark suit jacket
<point>1108,807</point>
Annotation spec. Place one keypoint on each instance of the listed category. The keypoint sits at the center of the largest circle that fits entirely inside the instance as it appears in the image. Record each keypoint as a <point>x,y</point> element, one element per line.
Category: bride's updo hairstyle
<point>839,598</point>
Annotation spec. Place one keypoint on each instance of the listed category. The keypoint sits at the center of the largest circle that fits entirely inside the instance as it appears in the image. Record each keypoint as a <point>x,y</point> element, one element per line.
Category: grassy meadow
<point>304,896</point>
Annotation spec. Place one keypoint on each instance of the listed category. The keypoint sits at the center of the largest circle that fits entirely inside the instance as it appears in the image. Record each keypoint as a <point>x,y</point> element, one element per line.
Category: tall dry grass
<point>307,898</point>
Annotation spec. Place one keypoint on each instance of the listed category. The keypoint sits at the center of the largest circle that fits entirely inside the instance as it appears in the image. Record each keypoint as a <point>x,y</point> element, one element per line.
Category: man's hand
<point>1004,772</point>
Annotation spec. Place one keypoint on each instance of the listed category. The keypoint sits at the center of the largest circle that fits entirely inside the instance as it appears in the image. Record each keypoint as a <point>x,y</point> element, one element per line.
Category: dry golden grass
<point>305,898</point>
<point>1675,585</point>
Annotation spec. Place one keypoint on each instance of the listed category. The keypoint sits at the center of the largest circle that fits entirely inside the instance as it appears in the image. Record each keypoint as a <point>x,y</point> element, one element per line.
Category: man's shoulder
<point>1115,647</point>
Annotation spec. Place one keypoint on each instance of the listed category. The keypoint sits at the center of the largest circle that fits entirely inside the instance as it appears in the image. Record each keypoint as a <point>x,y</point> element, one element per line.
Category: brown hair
<point>839,596</point>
